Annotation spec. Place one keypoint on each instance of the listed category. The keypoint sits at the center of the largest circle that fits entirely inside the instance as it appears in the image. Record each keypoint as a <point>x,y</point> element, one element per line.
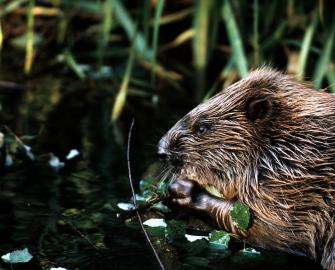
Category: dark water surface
<point>67,217</point>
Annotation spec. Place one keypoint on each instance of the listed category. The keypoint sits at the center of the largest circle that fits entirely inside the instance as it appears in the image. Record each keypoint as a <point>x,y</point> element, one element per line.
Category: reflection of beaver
<point>268,141</point>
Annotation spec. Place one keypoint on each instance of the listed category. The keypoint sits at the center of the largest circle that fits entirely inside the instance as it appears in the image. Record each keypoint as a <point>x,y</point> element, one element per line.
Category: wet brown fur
<point>282,164</point>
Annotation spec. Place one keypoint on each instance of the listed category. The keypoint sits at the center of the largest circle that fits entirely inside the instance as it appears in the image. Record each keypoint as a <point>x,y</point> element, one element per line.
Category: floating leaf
<point>55,163</point>
<point>126,206</point>
<point>155,222</point>
<point>17,256</point>
<point>192,238</point>
<point>241,214</point>
<point>219,239</point>
<point>72,154</point>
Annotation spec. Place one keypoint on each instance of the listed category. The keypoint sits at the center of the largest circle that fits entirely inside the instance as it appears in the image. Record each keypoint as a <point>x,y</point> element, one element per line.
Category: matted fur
<point>282,165</point>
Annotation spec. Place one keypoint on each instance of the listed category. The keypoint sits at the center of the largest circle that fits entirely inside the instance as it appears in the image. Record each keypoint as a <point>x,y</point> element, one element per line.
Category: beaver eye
<point>200,129</point>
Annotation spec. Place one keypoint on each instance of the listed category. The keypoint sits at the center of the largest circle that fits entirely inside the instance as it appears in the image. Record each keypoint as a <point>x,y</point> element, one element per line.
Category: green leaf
<point>219,239</point>
<point>214,191</point>
<point>175,230</point>
<point>241,214</point>
<point>146,183</point>
<point>17,256</point>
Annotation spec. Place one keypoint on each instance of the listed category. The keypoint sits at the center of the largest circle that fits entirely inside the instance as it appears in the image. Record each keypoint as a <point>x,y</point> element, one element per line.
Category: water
<point>67,217</point>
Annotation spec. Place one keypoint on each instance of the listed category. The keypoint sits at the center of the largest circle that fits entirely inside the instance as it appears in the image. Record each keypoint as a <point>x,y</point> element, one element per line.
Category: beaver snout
<point>168,152</point>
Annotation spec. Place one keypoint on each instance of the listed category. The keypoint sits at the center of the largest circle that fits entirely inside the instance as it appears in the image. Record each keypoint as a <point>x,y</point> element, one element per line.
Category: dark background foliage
<point>73,74</point>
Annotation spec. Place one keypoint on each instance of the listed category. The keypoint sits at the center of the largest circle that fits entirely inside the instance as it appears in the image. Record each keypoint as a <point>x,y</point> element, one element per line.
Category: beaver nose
<point>162,152</point>
<point>162,156</point>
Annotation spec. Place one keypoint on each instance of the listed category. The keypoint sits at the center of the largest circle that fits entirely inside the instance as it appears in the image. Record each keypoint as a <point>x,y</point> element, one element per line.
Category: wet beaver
<point>269,141</point>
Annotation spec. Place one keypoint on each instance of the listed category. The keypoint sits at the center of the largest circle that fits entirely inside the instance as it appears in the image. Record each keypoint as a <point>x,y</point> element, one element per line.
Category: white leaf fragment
<point>58,268</point>
<point>125,206</point>
<point>17,256</point>
<point>192,238</point>
<point>54,162</point>
<point>155,222</point>
<point>72,154</point>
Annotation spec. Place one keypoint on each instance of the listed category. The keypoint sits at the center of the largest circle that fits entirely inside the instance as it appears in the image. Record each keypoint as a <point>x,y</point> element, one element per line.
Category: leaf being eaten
<point>214,191</point>
<point>241,214</point>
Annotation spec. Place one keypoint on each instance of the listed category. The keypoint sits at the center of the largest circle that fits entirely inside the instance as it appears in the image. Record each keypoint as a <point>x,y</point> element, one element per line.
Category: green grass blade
<point>331,78</point>
<point>306,45</point>
<point>120,99</point>
<point>130,28</point>
<point>105,28</point>
<point>200,44</point>
<point>12,5</point>
<point>146,13</point>
<point>324,58</point>
<point>176,16</point>
<point>200,41</point>
<point>1,35</point>
<point>30,38</point>
<point>158,14</point>
<point>234,38</point>
<point>72,64</point>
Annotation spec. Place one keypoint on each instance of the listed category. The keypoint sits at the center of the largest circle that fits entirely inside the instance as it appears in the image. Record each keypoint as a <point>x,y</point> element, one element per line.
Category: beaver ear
<point>259,108</point>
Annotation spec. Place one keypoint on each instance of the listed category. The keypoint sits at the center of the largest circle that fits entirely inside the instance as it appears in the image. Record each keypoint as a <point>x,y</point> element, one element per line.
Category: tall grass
<point>185,47</point>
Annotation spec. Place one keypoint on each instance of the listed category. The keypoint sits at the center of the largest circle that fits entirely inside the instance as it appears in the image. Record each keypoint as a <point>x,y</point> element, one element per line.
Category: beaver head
<point>269,141</point>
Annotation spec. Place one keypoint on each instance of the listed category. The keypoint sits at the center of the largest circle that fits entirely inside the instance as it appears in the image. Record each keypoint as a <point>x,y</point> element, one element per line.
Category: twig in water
<point>134,198</point>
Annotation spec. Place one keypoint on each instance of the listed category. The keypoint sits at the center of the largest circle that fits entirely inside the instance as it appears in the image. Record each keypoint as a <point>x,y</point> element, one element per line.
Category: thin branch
<point>134,198</point>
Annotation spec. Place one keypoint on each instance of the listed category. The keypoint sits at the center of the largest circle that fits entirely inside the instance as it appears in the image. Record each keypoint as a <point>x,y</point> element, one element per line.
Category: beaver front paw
<point>189,195</point>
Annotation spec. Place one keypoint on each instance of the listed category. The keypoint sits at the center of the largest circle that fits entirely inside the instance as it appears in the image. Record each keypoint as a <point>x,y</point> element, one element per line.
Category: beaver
<point>269,141</point>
